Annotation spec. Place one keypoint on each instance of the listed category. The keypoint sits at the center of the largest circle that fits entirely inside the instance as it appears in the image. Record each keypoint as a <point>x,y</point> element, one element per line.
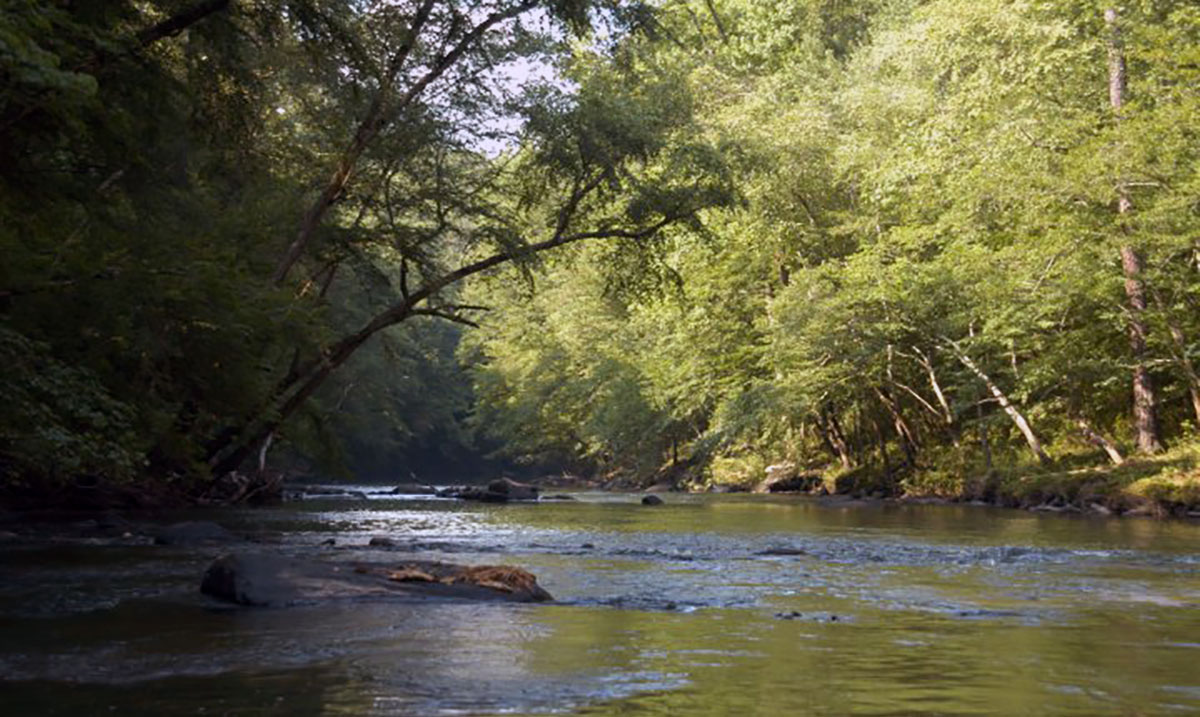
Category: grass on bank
<point>1165,484</point>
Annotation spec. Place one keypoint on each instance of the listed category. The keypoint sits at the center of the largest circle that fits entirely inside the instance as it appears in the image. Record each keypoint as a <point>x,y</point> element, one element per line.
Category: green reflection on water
<point>918,631</point>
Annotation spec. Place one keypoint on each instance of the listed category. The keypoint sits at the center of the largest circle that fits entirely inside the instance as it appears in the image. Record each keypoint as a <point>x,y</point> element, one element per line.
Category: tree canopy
<point>679,237</point>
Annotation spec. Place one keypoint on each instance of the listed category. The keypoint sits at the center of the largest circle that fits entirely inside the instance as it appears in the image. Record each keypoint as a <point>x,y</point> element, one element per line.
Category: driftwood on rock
<point>265,580</point>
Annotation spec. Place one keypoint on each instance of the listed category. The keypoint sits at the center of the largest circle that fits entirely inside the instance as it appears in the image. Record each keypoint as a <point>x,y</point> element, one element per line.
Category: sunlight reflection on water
<point>705,606</point>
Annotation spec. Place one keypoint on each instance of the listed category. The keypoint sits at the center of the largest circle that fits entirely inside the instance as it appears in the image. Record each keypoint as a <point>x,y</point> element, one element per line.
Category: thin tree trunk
<point>1180,355</point>
<point>835,440</point>
<point>983,439</point>
<point>1098,440</point>
<point>907,440</point>
<point>883,451</point>
<point>1188,368</point>
<point>1015,415</point>
<point>947,414</point>
<point>262,453</point>
<point>1145,405</point>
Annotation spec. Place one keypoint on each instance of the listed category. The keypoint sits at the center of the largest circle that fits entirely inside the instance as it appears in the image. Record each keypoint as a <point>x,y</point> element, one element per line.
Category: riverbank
<point>1162,486</point>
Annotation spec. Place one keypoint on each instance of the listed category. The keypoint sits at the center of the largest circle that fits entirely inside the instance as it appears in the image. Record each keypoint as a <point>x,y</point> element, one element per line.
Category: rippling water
<point>709,605</point>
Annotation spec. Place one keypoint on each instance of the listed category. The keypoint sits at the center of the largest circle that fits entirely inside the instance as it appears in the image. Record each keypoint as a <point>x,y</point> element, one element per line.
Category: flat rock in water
<point>194,532</point>
<point>501,490</point>
<point>265,580</point>
<point>513,490</point>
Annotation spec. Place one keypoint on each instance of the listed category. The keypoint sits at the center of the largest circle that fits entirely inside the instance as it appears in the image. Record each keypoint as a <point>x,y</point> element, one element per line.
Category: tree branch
<point>181,21</point>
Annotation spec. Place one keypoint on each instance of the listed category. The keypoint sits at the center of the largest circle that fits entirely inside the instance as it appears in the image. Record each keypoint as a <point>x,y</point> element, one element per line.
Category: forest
<point>914,247</point>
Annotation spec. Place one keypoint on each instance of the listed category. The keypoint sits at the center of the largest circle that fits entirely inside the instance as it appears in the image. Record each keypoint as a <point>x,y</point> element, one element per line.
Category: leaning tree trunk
<point>1014,414</point>
<point>1145,405</point>
<point>1097,439</point>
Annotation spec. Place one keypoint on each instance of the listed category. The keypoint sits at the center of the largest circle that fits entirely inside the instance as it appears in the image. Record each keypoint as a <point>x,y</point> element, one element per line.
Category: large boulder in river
<point>652,500</point>
<point>194,532</point>
<point>267,580</point>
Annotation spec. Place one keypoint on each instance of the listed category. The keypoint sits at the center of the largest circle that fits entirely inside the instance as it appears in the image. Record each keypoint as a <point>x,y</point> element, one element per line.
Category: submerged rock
<point>380,542</point>
<point>652,500</point>
<point>780,552</point>
<point>264,580</point>
<point>194,532</point>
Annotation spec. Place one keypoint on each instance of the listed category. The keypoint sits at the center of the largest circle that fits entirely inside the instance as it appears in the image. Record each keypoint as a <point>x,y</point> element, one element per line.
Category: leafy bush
<point>57,421</point>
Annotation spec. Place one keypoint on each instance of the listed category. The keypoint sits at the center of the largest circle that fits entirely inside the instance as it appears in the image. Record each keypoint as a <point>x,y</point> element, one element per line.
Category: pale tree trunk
<point>947,414</point>
<point>1145,405</point>
<point>937,388</point>
<point>1014,414</point>
<point>1095,438</point>
<point>908,440</point>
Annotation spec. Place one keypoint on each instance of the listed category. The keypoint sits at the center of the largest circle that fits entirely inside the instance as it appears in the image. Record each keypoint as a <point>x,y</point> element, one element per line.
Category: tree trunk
<point>831,430</point>
<point>1096,439</point>
<point>908,440</point>
<point>381,113</point>
<point>1145,405</point>
<point>307,385</point>
<point>1188,368</point>
<point>370,126</point>
<point>883,450</point>
<point>1015,415</point>
<point>984,443</point>
<point>234,446</point>
<point>181,21</point>
<point>947,414</point>
<point>1180,355</point>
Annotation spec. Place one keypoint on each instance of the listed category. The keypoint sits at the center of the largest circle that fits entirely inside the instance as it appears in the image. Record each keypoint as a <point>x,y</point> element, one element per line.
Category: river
<point>708,605</point>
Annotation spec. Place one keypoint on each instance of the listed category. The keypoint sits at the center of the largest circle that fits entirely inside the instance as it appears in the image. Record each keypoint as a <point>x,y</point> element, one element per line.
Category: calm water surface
<point>674,610</point>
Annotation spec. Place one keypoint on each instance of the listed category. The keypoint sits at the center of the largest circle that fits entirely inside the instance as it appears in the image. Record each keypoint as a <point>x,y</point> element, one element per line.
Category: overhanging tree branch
<point>380,114</point>
<point>181,21</point>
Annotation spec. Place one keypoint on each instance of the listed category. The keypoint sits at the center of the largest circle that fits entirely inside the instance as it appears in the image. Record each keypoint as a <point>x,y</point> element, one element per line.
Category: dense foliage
<point>208,208</point>
<point>928,275</point>
<point>921,240</point>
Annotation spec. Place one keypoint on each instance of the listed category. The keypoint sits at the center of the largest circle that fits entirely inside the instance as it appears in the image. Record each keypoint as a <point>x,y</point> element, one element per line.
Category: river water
<point>682,609</point>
